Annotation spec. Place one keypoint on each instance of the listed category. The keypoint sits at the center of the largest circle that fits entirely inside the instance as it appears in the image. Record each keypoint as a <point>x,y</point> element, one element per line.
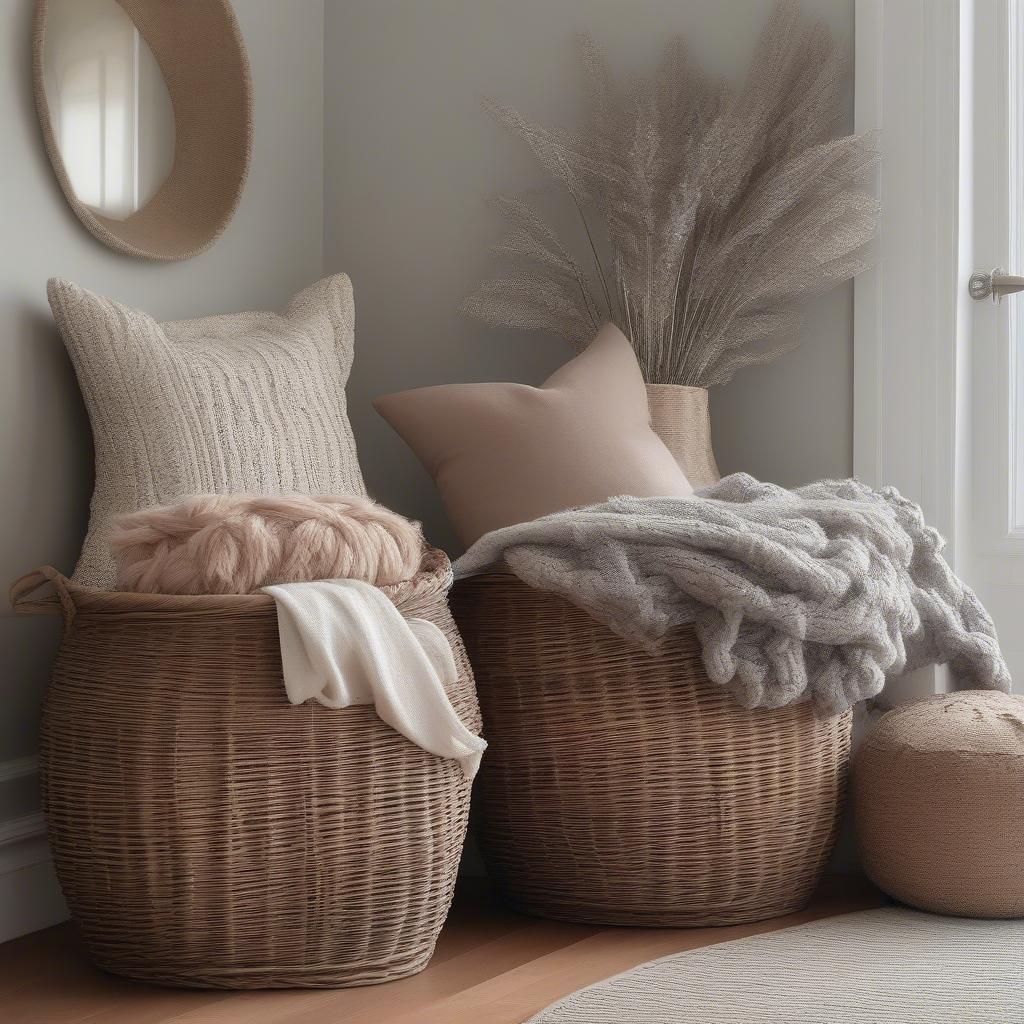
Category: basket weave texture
<point>625,789</point>
<point>680,417</point>
<point>208,834</point>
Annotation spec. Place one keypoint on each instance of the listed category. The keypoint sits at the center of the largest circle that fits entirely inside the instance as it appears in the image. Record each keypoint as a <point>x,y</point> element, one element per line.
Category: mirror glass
<point>110,111</point>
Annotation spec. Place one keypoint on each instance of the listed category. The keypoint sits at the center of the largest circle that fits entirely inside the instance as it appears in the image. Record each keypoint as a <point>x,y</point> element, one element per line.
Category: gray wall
<point>410,157</point>
<point>377,164</point>
<point>273,246</point>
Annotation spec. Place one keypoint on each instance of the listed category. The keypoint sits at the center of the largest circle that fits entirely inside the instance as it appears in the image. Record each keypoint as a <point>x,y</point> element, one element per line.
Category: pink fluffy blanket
<point>236,544</point>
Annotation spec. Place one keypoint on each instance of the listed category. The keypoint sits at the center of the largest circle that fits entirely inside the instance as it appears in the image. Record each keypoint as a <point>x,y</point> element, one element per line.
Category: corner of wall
<point>30,897</point>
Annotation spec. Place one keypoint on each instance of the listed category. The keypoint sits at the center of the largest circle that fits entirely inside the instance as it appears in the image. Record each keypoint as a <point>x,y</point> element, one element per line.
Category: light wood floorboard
<point>492,966</point>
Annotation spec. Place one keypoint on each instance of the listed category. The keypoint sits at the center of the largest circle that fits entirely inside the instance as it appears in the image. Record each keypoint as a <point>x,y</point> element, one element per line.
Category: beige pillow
<point>508,453</point>
<point>246,402</point>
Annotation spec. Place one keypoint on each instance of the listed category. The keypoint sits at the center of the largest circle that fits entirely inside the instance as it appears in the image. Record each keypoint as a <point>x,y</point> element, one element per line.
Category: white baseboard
<point>19,768</point>
<point>30,897</point>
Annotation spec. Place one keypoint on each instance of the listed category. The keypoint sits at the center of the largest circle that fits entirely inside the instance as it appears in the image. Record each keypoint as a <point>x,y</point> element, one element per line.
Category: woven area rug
<point>891,966</point>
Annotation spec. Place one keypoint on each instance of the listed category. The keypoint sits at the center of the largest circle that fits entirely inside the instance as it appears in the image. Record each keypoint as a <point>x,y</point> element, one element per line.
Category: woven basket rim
<point>434,576</point>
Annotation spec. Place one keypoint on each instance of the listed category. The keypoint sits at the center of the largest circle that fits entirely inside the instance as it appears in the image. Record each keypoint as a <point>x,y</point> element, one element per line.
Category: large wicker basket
<point>206,833</point>
<point>620,788</point>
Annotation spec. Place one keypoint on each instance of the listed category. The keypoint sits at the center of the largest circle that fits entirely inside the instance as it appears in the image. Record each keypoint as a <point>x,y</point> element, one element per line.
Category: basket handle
<point>23,589</point>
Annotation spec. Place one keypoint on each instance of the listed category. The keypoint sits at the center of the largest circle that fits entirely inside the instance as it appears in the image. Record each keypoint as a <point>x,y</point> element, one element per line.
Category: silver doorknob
<point>996,283</point>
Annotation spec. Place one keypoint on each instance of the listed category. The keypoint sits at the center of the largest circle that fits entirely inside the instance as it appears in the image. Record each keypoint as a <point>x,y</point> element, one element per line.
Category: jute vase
<point>680,418</point>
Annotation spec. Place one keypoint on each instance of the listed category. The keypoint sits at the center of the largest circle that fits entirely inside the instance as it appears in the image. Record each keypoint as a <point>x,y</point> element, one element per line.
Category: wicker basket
<point>205,832</point>
<point>620,788</point>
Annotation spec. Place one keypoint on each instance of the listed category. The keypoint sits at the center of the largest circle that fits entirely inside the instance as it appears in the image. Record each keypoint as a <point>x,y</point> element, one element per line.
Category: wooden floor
<point>492,966</point>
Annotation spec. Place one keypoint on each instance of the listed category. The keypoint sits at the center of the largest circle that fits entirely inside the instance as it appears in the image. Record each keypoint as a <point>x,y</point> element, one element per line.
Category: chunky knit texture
<point>246,403</point>
<point>235,544</point>
<point>823,590</point>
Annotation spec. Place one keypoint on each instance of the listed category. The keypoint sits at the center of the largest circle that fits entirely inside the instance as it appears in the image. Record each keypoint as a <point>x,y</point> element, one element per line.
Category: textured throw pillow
<point>508,453</point>
<point>237,543</point>
<point>248,402</point>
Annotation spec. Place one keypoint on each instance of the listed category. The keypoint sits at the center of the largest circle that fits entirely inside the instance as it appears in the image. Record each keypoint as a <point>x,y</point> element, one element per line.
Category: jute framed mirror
<point>146,112</point>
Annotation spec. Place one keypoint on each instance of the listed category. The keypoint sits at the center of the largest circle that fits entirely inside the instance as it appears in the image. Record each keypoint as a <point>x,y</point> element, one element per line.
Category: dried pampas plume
<point>705,215</point>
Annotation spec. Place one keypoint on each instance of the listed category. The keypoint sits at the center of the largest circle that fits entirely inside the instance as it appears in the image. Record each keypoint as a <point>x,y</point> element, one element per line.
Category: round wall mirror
<point>146,112</point>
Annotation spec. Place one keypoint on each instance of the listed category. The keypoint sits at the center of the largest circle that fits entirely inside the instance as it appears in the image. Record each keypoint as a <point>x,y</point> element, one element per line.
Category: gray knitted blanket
<point>825,589</point>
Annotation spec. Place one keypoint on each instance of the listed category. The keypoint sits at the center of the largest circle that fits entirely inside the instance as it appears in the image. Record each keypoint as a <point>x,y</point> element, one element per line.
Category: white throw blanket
<point>343,642</point>
<point>827,588</point>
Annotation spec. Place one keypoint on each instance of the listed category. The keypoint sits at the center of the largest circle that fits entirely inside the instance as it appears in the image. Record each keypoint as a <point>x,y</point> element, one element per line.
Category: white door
<point>992,223</point>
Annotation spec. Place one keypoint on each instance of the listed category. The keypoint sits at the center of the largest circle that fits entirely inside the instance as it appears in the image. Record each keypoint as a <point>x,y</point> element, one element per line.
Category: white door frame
<point>910,310</point>
<point>995,568</point>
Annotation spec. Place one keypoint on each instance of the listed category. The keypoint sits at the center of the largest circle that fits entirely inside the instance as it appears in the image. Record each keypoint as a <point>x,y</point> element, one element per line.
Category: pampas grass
<point>706,215</point>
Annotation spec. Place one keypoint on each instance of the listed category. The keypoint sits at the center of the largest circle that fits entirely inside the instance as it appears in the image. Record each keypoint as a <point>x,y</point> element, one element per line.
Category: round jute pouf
<point>938,795</point>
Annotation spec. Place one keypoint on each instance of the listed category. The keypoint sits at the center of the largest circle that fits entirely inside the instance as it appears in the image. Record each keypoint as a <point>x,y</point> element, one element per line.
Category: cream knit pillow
<point>246,402</point>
